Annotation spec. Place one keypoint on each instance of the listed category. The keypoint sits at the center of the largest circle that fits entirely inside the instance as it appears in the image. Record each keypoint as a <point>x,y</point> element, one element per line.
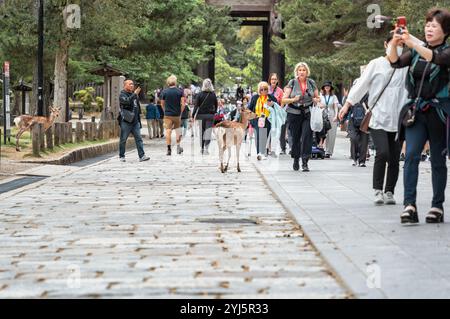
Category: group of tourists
<point>403,96</point>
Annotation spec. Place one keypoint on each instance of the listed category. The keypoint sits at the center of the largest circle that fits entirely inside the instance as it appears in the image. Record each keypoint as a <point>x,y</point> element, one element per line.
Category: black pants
<point>359,142</point>
<point>283,138</point>
<point>388,153</point>
<point>205,136</point>
<point>302,137</point>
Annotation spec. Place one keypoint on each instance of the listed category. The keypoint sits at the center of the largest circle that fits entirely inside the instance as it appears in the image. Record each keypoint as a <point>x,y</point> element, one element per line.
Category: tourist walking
<point>206,106</point>
<point>259,105</point>
<point>173,104</point>
<point>300,94</point>
<point>329,102</point>
<point>278,93</point>
<point>386,88</point>
<point>152,116</point>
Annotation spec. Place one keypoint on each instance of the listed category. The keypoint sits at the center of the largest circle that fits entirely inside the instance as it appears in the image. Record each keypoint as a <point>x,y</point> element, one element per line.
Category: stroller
<point>318,152</point>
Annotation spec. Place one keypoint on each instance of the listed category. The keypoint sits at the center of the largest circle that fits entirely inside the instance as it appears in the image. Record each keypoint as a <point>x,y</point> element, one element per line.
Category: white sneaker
<point>389,199</point>
<point>259,157</point>
<point>123,160</point>
<point>379,198</point>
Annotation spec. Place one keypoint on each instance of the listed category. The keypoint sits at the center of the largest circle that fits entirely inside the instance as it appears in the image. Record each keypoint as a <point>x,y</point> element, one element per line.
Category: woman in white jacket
<point>329,102</point>
<point>384,123</point>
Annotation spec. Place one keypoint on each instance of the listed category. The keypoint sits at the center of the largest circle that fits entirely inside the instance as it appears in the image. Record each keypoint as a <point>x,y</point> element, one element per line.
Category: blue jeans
<point>125,130</point>
<point>428,126</point>
<point>184,126</point>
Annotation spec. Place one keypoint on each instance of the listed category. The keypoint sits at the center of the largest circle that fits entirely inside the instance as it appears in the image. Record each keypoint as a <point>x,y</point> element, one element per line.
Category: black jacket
<point>128,101</point>
<point>252,105</point>
<point>206,105</point>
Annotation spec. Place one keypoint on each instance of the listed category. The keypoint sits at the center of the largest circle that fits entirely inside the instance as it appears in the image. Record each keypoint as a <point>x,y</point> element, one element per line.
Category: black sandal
<point>410,216</point>
<point>435,216</point>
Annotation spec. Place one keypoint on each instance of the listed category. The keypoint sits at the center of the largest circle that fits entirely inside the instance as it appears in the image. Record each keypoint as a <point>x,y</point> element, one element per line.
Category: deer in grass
<point>229,134</point>
<point>26,122</point>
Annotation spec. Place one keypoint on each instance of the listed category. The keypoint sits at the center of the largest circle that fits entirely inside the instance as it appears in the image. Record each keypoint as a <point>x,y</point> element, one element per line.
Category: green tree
<point>225,74</point>
<point>86,97</point>
<point>147,39</point>
<point>311,27</point>
<point>252,72</point>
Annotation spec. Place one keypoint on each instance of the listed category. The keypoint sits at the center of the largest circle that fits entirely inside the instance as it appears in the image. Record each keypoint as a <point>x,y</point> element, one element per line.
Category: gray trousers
<point>331,138</point>
<point>152,126</point>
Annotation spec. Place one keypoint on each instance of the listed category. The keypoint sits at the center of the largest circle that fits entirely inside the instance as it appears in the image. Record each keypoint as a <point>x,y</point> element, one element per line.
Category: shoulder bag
<point>410,116</point>
<point>364,127</point>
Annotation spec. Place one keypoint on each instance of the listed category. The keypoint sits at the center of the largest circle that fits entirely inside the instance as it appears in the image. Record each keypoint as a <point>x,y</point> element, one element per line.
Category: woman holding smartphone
<point>427,84</point>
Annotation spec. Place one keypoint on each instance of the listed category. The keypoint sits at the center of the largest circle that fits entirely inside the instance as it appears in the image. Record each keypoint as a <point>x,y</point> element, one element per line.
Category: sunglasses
<point>264,90</point>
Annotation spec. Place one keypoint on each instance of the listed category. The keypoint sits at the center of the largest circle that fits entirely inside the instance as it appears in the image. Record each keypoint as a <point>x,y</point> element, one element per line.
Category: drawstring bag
<point>262,122</point>
<point>316,119</point>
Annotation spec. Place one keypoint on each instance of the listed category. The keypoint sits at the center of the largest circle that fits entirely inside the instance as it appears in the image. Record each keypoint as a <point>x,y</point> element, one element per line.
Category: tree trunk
<point>34,93</point>
<point>60,89</point>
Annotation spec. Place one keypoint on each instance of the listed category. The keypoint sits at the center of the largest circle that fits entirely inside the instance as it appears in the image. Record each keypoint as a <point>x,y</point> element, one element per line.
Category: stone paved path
<point>168,228</point>
<point>371,251</point>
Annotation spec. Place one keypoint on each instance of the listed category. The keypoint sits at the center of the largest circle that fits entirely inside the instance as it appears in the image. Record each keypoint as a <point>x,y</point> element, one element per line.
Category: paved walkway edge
<point>344,270</point>
<point>88,152</point>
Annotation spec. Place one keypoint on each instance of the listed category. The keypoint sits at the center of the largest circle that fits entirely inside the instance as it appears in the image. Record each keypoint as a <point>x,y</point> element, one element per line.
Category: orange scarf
<point>260,110</point>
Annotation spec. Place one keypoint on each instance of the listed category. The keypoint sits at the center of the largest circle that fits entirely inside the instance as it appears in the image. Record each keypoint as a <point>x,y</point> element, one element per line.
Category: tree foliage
<point>311,27</point>
<point>149,40</point>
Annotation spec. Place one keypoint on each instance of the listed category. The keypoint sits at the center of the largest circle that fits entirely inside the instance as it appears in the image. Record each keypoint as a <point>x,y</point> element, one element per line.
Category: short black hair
<point>389,37</point>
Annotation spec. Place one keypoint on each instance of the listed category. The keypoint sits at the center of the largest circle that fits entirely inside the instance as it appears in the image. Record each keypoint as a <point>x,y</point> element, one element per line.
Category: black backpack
<point>359,111</point>
<point>326,121</point>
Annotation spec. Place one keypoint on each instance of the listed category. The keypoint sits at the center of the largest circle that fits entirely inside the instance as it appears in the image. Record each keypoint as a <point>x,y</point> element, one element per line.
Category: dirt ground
<point>9,168</point>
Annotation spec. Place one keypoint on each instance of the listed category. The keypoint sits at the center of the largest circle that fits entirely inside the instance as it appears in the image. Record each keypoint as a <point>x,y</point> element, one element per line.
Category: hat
<point>328,83</point>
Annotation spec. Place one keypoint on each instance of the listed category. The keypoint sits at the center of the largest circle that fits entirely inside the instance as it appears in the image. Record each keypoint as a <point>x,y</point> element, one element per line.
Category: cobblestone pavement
<point>9,168</point>
<point>167,228</point>
<point>365,244</point>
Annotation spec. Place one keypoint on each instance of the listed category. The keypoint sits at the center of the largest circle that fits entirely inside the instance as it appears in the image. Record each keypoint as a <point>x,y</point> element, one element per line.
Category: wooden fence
<point>65,133</point>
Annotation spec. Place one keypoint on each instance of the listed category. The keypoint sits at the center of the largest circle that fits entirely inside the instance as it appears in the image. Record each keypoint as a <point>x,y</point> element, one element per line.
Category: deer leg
<point>229,157</point>
<point>220,141</point>
<point>238,149</point>
<point>19,134</point>
<point>222,168</point>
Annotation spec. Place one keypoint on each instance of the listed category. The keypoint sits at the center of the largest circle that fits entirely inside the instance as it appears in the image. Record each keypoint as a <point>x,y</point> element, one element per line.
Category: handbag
<point>364,127</point>
<point>128,116</point>
<point>410,117</point>
<point>317,119</point>
<point>262,121</point>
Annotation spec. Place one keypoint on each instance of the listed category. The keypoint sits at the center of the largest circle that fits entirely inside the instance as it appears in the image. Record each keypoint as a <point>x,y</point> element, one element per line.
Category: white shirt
<point>385,114</point>
<point>332,101</point>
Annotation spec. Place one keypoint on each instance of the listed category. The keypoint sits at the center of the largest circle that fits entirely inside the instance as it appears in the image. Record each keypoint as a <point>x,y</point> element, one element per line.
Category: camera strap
<point>422,81</point>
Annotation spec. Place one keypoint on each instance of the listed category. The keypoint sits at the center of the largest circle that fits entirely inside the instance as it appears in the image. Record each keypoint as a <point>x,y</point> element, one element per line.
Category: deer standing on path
<point>231,133</point>
<point>26,122</point>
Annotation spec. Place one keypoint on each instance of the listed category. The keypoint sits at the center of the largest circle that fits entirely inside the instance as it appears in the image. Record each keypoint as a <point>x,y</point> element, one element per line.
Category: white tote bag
<point>316,119</point>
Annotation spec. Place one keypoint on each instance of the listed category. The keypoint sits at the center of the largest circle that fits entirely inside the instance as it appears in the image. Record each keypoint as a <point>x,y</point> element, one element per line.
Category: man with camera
<point>130,120</point>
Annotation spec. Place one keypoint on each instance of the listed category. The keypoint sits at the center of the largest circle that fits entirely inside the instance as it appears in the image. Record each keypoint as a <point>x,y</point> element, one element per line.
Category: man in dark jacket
<point>130,120</point>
